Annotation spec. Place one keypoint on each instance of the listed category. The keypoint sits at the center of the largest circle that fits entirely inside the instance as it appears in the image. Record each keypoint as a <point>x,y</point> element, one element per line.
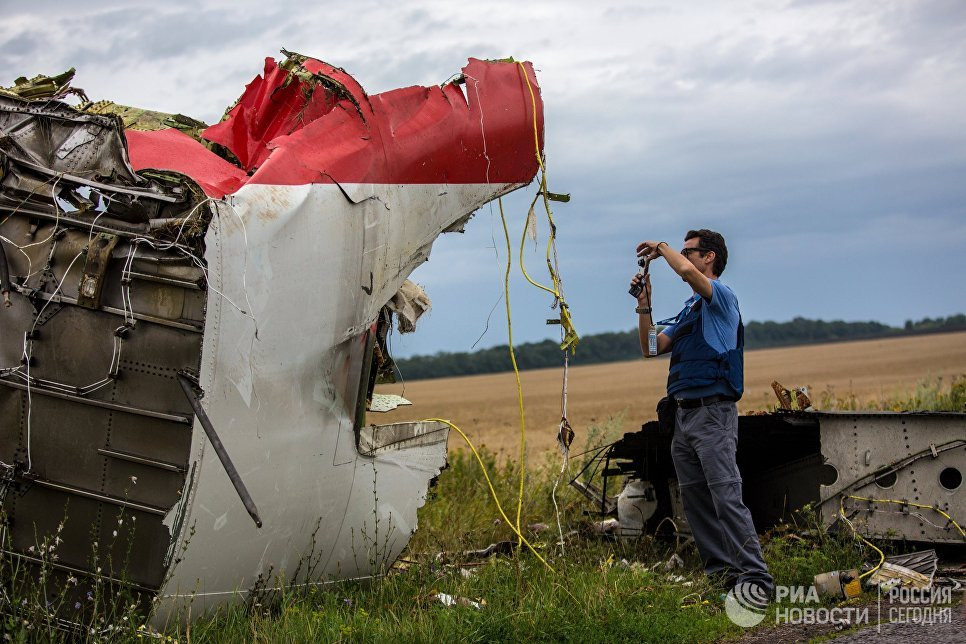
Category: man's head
<point>709,250</point>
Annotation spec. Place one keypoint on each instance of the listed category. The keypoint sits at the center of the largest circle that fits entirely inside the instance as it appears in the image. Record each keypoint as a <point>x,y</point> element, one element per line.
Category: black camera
<point>636,289</point>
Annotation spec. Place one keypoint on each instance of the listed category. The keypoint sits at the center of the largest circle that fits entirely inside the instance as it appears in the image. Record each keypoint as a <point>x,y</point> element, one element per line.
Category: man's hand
<point>644,298</point>
<point>680,264</point>
<point>649,249</point>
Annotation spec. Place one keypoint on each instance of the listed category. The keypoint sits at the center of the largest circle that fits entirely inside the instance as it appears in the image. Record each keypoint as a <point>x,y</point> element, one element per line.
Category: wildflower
<point>120,521</point>
<point>30,549</point>
<point>77,605</point>
<point>134,480</point>
<point>72,580</point>
<point>114,533</point>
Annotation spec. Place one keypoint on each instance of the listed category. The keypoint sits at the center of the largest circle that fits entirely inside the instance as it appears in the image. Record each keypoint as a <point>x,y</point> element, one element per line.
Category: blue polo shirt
<point>719,324</point>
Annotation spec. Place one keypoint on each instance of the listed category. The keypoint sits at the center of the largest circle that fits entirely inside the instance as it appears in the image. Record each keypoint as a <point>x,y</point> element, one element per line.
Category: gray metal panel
<point>64,439</point>
<point>859,445</point>
<point>105,465</point>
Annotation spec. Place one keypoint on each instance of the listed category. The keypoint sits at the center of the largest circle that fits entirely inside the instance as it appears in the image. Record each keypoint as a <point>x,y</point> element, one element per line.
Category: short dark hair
<point>710,240</point>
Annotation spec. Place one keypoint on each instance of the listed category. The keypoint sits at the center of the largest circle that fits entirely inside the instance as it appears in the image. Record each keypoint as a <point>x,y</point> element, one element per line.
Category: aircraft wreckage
<point>195,318</point>
<point>887,475</point>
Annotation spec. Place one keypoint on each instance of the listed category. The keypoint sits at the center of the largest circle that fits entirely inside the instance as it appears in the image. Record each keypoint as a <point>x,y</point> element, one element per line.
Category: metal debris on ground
<point>673,562</point>
<point>895,475</point>
<point>635,566</point>
<point>840,584</point>
<point>801,397</point>
<point>922,561</point>
<point>915,570</point>
<point>890,575</point>
<point>784,396</point>
<point>607,526</point>
<point>453,600</point>
<point>498,548</point>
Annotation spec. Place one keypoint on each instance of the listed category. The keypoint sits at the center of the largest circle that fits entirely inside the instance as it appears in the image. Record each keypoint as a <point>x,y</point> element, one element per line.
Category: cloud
<point>813,134</point>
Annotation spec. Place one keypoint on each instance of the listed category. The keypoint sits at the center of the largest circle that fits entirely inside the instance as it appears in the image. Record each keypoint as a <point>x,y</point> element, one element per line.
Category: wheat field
<point>486,407</point>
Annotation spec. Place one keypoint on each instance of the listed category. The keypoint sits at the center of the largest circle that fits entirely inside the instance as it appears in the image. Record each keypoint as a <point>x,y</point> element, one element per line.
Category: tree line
<point>616,346</point>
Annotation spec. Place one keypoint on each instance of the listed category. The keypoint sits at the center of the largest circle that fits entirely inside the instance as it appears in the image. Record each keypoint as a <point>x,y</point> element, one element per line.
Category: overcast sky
<point>825,140</point>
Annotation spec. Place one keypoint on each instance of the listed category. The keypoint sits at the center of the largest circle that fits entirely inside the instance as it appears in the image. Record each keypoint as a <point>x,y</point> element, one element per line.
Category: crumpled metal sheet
<point>415,135</point>
<point>55,137</point>
<point>894,574</point>
<point>171,149</point>
<point>375,439</point>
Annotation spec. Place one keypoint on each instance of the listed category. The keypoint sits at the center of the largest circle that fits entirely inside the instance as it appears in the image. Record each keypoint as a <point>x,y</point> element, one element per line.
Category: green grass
<point>929,395</point>
<point>593,594</point>
<point>586,600</point>
<point>599,590</point>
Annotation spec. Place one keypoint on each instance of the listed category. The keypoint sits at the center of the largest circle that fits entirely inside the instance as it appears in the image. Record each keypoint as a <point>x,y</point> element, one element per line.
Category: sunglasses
<point>687,251</point>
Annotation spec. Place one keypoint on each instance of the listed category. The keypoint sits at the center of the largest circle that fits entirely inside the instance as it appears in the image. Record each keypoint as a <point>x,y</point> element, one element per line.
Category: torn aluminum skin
<point>139,259</point>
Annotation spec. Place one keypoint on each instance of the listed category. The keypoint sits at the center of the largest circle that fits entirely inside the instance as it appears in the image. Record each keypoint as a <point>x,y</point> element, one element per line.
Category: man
<point>706,341</point>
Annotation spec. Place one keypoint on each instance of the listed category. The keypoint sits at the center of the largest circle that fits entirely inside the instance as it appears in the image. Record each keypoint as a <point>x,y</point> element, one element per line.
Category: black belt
<point>691,403</point>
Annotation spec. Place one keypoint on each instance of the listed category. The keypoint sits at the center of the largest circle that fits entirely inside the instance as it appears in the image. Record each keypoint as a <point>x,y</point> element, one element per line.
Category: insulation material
<point>409,303</point>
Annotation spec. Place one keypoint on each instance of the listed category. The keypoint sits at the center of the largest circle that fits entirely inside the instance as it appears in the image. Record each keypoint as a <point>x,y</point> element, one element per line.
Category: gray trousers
<point>703,451</point>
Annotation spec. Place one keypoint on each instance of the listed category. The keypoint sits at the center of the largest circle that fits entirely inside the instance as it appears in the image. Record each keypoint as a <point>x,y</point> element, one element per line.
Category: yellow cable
<point>533,102</point>
<point>516,371</point>
<point>489,483</point>
<point>543,189</point>
<point>523,268</point>
<point>570,333</point>
<point>863,539</point>
<point>915,505</point>
<point>570,338</point>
